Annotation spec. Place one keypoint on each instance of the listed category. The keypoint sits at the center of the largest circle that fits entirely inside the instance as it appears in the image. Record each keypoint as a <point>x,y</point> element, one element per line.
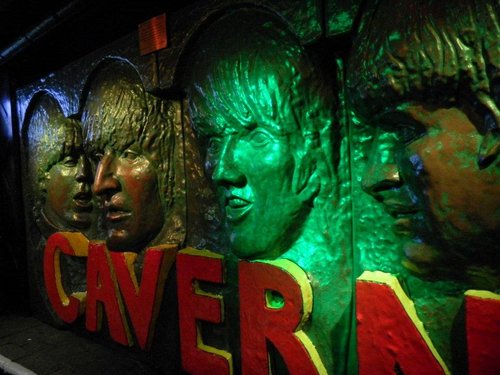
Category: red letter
<point>390,335</point>
<point>275,302</point>
<point>195,304</point>
<point>143,303</point>
<point>68,308</point>
<point>102,291</point>
<point>482,311</point>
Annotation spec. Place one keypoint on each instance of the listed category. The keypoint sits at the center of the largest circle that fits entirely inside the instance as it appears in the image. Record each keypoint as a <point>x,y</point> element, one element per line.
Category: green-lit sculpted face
<point>253,170</point>
<point>257,103</point>
<point>424,169</point>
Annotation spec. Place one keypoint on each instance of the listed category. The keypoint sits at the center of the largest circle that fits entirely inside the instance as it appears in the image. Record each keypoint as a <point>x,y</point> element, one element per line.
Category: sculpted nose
<point>226,169</point>
<point>377,179</point>
<point>382,172</point>
<point>105,180</point>
<point>83,171</point>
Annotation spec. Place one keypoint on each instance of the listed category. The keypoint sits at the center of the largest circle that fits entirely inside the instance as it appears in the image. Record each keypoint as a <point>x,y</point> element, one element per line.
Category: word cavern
<point>276,302</point>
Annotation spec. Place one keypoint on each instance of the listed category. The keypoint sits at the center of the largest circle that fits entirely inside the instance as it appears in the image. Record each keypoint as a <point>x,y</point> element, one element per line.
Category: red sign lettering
<point>482,311</point>
<point>143,302</point>
<point>390,335</point>
<point>275,302</point>
<point>195,305</point>
<point>102,293</point>
<point>68,308</point>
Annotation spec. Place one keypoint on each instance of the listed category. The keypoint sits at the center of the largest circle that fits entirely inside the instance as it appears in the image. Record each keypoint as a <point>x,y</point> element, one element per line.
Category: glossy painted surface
<point>262,146</point>
<point>69,198</point>
<point>263,111</point>
<point>294,152</point>
<point>254,172</point>
<point>423,88</point>
<point>440,177</point>
<point>443,202</point>
<point>127,179</point>
<point>59,170</point>
<point>128,187</point>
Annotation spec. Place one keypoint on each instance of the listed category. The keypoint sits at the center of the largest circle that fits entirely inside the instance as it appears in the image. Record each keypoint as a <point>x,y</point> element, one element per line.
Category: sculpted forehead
<point>115,111</point>
<point>260,75</point>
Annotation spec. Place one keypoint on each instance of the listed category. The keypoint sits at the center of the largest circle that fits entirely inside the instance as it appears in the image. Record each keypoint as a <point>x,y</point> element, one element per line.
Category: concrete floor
<point>29,346</point>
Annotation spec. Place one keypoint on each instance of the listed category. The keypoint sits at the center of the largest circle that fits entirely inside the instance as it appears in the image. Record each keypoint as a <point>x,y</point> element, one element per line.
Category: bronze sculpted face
<point>126,137</point>
<point>126,180</point>
<point>64,173</point>
<point>434,161</point>
<point>261,126</point>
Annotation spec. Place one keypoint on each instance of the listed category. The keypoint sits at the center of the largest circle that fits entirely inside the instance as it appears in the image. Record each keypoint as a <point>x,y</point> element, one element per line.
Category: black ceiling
<point>82,27</point>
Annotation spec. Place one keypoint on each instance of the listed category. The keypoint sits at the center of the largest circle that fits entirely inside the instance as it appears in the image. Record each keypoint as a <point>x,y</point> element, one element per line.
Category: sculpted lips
<point>237,207</point>
<point>403,214</point>
<point>83,201</point>
<point>115,212</point>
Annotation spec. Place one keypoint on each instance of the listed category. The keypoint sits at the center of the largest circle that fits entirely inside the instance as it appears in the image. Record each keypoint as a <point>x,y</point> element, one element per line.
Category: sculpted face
<point>424,169</point>
<point>262,116</point>
<point>127,182</point>
<point>68,201</point>
<point>126,137</point>
<point>254,170</point>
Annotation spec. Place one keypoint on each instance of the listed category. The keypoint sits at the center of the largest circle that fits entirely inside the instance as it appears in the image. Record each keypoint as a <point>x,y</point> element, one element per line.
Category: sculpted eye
<point>70,161</point>
<point>213,146</point>
<point>130,155</point>
<point>259,138</point>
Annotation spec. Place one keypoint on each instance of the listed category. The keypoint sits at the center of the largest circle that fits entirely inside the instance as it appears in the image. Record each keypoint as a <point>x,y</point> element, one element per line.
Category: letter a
<point>143,303</point>
<point>102,292</point>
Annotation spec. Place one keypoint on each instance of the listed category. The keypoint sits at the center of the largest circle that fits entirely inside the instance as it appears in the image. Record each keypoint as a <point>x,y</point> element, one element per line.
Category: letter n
<point>275,302</point>
<point>391,338</point>
<point>102,293</point>
<point>482,311</point>
<point>196,305</point>
<point>68,308</point>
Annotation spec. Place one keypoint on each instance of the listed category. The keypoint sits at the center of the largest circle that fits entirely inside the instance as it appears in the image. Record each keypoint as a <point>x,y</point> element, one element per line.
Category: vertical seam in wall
<point>344,115</point>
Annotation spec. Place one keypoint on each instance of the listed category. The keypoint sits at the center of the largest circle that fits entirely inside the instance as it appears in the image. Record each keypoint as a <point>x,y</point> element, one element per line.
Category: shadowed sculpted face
<point>64,176</point>
<point>429,180</point>
<point>434,162</point>
<point>69,198</point>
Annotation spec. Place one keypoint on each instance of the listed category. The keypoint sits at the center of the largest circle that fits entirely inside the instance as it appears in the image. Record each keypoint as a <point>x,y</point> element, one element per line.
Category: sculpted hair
<point>49,137</point>
<point>118,112</point>
<point>248,68</point>
<point>432,51</point>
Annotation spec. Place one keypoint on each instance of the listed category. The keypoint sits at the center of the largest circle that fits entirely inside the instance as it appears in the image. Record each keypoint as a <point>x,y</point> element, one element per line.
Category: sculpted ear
<point>306,180</point>
<point>489,148</point>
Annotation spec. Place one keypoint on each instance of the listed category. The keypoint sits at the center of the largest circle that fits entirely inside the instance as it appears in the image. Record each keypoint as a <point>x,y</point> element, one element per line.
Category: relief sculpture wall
<point>265,196</point>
